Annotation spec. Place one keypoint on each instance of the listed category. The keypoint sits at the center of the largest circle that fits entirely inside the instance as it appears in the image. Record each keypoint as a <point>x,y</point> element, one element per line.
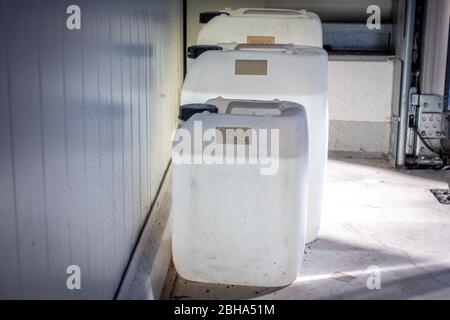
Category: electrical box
<point>426,129</point>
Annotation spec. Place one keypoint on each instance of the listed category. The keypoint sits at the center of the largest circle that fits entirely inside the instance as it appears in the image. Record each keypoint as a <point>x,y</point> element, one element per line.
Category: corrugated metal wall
<point>86,118</point>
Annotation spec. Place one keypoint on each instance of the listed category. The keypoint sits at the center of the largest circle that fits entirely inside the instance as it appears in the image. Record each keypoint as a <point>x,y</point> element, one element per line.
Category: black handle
<point>205,17</point>
<point>188,110</point>
<point>194,51</point>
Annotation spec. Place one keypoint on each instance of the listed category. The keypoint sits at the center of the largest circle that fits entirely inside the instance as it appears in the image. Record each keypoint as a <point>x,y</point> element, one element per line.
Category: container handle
<point>270,11</point>
<point>265,47</point>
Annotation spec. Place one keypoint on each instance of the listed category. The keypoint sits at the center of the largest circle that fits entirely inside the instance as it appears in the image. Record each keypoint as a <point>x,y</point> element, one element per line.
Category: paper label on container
<point>235,135</point>
<point>260,40</point>
<point>251,67</point>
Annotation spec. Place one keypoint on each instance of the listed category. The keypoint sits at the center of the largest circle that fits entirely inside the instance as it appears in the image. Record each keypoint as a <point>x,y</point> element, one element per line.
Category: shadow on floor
<point>381,162</point>
<point>402,276</point>
<point>410,251</point>
<point>334,269</point>
<point>219,291</point>
<point>417,286</point>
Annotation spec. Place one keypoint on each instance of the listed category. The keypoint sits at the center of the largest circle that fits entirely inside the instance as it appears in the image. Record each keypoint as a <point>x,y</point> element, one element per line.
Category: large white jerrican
<point>233,225</point>
<point>263,26</point>
<point>295,73</point>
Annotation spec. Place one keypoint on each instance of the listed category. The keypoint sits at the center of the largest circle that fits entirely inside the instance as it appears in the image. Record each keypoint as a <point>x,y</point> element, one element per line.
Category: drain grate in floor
<point>442,195</point>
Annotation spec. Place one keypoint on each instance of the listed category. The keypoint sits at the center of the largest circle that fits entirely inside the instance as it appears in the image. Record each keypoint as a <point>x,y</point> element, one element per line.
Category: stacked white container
<point>232,224</point>
<point>279,26</point>
<point>242,222</point>
<point>263,26</point>
<point>295,73</point>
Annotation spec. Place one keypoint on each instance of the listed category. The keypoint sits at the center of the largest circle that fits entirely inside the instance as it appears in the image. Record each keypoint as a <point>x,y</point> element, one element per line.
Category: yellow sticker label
<point>251,67</point>
<point>260,40</point>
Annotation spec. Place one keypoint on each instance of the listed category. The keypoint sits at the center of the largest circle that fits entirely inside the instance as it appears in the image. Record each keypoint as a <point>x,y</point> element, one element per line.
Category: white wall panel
<point>86,118</point>
<point>361,90</point>
<point>360,101</point>
<point>437,19</point>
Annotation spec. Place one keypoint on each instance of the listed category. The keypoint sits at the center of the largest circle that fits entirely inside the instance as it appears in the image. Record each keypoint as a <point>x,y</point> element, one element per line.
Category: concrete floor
<point>374,216</point>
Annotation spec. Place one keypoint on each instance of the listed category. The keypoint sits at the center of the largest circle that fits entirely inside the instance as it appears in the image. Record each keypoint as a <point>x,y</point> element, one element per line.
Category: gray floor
<point>374,216</point>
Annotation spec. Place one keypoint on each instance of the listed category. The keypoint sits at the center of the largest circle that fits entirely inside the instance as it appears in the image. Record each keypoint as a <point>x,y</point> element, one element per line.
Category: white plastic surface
<point>262,25</point>
<point>231,224</point>
<point>297,74</point>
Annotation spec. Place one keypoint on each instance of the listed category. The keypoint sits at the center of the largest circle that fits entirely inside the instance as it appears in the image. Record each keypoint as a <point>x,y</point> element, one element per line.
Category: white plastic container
<point>288,73</point>
<point>231,223</point>
<point>263,26</point>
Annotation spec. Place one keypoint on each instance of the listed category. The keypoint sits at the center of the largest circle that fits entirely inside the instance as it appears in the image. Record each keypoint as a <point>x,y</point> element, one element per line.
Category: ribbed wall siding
<point>86,118</point>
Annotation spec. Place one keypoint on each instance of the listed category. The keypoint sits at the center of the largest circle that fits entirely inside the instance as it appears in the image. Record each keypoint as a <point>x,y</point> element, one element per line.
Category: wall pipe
<point>406,81</point>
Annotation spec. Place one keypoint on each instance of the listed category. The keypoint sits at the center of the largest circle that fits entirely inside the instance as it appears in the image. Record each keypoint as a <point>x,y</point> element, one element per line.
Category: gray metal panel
<point>356,36</point>
<point>81,124</point>
<point>337,11</point>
